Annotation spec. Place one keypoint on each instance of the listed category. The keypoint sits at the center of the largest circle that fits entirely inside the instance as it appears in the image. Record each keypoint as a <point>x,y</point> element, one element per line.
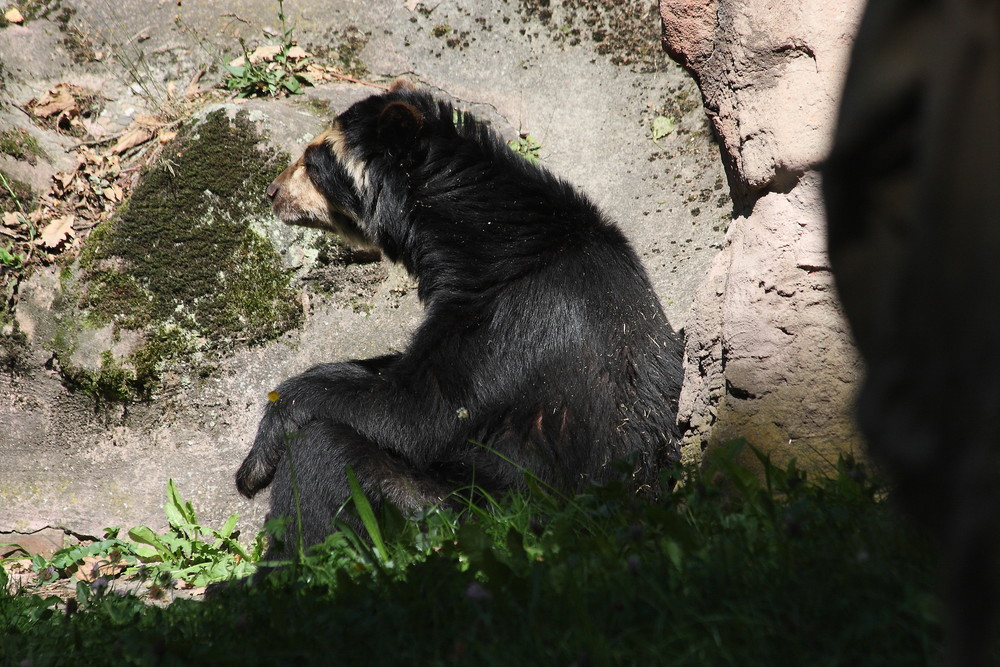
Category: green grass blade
<point>367,515</point>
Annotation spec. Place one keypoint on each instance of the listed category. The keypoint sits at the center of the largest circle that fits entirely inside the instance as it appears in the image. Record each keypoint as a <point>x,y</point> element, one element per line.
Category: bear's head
<point>346,174</point>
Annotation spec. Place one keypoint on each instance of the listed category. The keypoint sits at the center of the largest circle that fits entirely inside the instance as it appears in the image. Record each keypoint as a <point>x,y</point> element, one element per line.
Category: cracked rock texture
<point>769,356</point>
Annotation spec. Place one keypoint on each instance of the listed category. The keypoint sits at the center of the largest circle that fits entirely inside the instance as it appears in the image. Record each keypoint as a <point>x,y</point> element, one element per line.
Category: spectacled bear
<point>543,347</point>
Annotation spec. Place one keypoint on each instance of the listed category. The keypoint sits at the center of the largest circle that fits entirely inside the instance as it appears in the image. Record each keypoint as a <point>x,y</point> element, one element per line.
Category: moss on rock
<point>182,263</point>
<point>20,145</point>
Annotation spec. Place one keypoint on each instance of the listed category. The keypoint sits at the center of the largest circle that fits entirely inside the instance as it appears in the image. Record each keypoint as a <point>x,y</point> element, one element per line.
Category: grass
<point>725,569</point>
<point>270,78</point>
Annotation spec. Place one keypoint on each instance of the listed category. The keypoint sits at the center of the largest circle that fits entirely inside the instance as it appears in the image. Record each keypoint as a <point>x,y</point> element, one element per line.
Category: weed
<point>189,551</point>
<point>526,147</point>
<point>192,552</point>
<point>280,72</point>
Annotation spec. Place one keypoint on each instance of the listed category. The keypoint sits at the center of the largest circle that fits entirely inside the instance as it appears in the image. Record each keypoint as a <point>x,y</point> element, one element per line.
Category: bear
<point>543,349</point>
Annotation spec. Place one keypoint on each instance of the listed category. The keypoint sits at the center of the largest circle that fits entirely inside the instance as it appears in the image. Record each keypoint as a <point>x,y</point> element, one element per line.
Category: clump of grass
<point>271,77</point>
<point>728,568</point>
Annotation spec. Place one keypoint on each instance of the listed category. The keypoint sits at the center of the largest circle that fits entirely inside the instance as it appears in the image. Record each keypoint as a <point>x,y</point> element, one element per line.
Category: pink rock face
<point>769,357</point>
<point>689,30</point>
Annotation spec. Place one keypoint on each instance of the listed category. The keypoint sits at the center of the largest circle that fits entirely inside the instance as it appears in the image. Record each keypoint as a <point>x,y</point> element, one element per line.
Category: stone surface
<point>72,464</point>
<point>769,357</point>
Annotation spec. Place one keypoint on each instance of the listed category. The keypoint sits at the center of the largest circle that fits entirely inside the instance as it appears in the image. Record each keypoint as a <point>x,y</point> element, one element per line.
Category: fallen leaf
<point>297,53</point>
<point>267,52</point>
<point>146,120</point>
<point>114,193</point>
<point>13,16</point>
<point>58,101</point>
<point>411,4</point>
<point>93,567</point>
<point>167,136</point>
<point>663,126</point>
<point>134,137</point>
<point>57,231</point>
<point>65,178</point>
<point>12,220</point>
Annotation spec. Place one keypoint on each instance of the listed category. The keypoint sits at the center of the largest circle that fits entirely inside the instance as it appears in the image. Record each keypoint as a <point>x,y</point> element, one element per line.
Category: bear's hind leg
<point>312,484</point>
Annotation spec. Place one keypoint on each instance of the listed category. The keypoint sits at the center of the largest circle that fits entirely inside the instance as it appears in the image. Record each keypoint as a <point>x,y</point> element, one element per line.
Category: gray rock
<point>769,357</point>
<point>81,466</point>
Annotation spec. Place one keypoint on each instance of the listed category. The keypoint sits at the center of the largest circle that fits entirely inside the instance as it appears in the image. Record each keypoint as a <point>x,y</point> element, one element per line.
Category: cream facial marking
<point>335,141</point>
<point>296,201</point>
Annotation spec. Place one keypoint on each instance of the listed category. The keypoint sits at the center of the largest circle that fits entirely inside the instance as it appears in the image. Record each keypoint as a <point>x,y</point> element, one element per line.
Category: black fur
<point>543,339</point>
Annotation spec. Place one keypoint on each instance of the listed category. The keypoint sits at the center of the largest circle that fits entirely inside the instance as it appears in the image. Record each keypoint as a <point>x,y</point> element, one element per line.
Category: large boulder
<point>769,356</point>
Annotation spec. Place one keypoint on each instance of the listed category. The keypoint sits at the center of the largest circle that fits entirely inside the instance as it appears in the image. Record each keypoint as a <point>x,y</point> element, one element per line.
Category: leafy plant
<point>194,553</point>
<point>111,551</point>
<point>273,74</point>
<point>188,551</point>
<point>526,147</point>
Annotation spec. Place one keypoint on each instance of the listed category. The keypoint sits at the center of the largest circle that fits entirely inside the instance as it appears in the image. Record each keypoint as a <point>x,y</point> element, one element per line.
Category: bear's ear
<point>399,123</point>
<point>399,83</point>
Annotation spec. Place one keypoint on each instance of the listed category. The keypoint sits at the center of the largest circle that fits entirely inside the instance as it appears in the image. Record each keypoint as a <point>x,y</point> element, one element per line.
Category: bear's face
<point>330,186</point>
<point>322,189</point>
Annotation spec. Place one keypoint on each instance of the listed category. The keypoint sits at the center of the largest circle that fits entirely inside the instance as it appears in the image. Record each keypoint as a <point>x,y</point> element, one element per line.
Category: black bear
<point>543,348</point>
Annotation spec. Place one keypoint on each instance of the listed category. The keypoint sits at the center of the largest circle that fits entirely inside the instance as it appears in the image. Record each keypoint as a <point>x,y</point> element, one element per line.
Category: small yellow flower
<point>273,396</point>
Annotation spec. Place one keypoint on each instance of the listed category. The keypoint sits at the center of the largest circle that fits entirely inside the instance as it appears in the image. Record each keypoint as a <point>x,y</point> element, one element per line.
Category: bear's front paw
<point>275,435</point>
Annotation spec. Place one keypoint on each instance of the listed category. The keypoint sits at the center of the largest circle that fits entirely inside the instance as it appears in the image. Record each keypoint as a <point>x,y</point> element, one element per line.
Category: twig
<point>236,16</point>
<point>353,80</point>
<point>102,140</point>
<point>192,89</point>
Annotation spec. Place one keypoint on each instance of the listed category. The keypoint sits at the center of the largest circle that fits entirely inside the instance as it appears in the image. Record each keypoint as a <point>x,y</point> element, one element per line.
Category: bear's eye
<point>311,168</point>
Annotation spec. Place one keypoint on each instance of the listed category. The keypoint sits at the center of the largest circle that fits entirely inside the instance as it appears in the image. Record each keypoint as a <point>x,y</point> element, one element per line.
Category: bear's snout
<point>272,190</point>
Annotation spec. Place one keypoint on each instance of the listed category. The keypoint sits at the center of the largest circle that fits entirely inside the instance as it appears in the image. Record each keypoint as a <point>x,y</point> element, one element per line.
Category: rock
<point>76,463</point>
<point>769,357</point>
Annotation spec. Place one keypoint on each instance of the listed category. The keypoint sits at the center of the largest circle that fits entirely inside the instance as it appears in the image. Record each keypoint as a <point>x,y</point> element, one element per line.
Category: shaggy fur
<point>543,346</point>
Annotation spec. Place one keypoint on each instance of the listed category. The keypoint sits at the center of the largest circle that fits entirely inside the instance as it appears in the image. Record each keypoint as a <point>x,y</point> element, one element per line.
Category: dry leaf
<point>12,220</point>
<point>146,120</point>
<point>261,54</point>
<point>167,136</point>
<point>13,16</point>
<point>297,53</point>
<point>57,231</point>
<point>114,193</point>
<point>65,178</point>
<point>58,101</point>
<point>134,137</point>
<point>411,4</point>
<point>93,567</point>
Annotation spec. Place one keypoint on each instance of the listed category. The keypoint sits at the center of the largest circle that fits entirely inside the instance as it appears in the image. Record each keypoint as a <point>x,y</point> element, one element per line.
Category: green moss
<point>20,145</point>
<point>352,41</point>
<point>180,260</point>
<point>112,383</point>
